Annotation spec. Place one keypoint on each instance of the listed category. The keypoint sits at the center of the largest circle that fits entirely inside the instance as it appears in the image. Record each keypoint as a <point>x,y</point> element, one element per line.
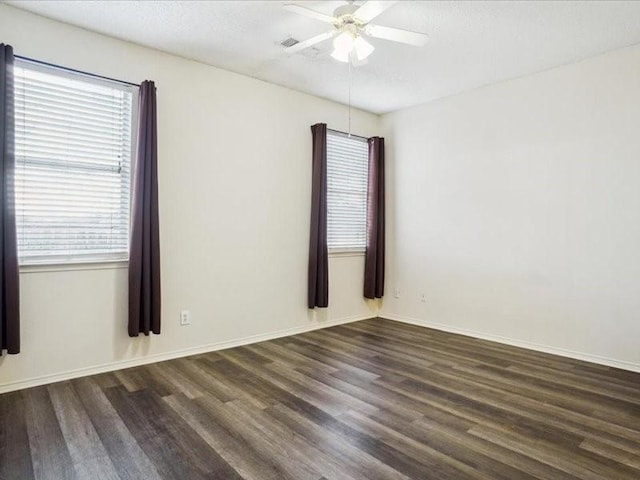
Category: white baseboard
<point>160,357</point>
<point>134,362</point>
<point>587,357</point>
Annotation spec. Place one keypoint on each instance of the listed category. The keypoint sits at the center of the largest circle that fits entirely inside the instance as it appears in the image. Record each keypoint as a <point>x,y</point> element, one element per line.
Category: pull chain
<point>349,62</point>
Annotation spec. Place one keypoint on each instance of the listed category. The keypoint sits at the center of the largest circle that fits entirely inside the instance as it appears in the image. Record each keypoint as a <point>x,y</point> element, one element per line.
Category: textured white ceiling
<point>472,43</point>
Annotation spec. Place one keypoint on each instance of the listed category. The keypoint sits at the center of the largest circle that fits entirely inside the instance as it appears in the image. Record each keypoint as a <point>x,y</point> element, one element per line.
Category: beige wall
<point>515,209</point>
<point>235,187</point>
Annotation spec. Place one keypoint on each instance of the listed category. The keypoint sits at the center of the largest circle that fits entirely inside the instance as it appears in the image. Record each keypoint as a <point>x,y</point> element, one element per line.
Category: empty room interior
<point>319,240</point>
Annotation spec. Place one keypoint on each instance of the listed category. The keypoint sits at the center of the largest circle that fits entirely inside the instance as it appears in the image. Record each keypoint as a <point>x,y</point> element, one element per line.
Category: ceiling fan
<point>351,23</point>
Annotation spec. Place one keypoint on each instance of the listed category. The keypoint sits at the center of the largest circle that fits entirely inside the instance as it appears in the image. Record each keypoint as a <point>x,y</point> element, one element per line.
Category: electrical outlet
<point>423,298</point>
<point>396,293</point>
<point>185,317</point>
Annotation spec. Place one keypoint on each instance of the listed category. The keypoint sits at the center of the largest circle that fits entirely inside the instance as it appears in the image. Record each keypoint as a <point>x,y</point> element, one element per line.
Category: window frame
<point>47,263</point>
<point>347,251</point>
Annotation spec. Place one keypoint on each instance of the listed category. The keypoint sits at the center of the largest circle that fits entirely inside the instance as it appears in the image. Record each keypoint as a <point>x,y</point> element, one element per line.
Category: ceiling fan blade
<point>371,10</point>
<point>397,35</point>
<point>307,12</point>
<point>311,41</point>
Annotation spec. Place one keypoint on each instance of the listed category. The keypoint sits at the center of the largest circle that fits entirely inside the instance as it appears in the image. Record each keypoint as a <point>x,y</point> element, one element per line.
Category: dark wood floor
<point>369,400</point>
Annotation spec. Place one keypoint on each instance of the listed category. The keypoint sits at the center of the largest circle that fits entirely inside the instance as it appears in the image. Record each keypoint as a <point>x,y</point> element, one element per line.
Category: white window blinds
<point>347,172</point>
<point>73,159</point>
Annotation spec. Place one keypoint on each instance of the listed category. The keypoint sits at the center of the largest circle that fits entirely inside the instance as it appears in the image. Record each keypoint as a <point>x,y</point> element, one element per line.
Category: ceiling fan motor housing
<point>344,16</point>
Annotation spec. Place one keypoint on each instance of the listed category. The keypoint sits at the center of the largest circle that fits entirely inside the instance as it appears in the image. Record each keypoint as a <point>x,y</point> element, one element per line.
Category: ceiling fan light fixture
<point>362,48</point>
<point>344,43</point>
<point>340,55</point>
<point>348,46</point>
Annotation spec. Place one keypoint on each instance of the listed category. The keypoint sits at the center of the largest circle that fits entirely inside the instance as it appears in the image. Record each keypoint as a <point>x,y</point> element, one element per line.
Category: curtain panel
<point>374,253</point>
<point>9,275</point>
<point>144,253</point>
<point>318,250</point>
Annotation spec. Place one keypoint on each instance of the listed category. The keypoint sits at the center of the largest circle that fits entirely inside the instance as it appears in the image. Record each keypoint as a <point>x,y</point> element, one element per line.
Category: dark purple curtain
<point>144,254</point>
<point>318,250</point>
<point>9,279</point>
<point>374,254</point>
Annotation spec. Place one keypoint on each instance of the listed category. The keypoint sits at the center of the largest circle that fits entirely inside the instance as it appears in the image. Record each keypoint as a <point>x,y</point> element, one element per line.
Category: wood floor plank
<point>297,448</point>
<point>456,451</point>
<point>250,434</point>
<point>49,452</point>
<point>90,458</point>
<point>543,406</point>
<point>15,453</point>
<point>176,452</point>
<point>532,403</point>
<point>440,464</point>
<point>174,377</point>
<point>196,372</point>
<point>362,392</point>
<point>621,456</point>
<point>356,461</point>
<point>279,353</point>
<point>395,458</point>
<point>239,382</point>
<point>223,438</point>
<point>562,458</point>
<point>322,397</point>
<point>128,458</point>
<point>544,401</point>
<point>422,429</point>
<point>600,386</point>
<point>374,399</point>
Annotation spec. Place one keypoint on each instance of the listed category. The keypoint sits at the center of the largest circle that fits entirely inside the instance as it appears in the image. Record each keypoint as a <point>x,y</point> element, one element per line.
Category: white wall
<point>234,174</point>
<point>516,209</point>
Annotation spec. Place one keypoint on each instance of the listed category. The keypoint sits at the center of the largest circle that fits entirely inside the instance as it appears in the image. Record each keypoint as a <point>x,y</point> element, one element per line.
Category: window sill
<point>344,252</point>
<point>73,266</point>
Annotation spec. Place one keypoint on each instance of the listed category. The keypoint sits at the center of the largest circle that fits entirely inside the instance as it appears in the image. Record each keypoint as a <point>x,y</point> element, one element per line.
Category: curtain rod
<point>40,62</point>
<point>347,134</point>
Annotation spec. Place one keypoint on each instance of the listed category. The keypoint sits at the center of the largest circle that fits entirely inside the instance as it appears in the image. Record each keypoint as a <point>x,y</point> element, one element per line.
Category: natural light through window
<point>73,163</point>
<point>347,170</point>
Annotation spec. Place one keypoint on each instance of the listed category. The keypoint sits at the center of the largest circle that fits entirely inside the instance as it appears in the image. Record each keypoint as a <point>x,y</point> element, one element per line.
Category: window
<point>73,164</point>
<point>347,171</point>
